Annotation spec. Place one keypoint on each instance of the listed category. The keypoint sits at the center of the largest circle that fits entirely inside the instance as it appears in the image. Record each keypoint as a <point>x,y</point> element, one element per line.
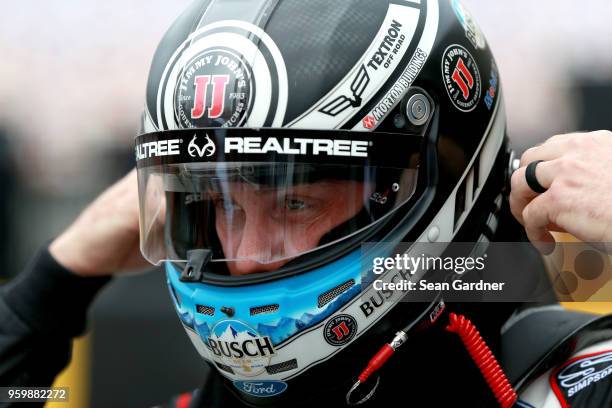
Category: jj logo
<point>341,330</point>
<point>219,87</point>
<point>207,150</point>
<point>463,78</point>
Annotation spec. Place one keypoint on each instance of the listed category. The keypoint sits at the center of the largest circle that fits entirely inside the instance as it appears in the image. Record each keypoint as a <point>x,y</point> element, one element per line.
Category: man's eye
<point>226,205</point>
<point>295,204</point>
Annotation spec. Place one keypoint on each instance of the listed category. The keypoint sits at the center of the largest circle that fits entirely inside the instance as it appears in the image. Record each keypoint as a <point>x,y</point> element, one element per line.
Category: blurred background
<point>72,82</point>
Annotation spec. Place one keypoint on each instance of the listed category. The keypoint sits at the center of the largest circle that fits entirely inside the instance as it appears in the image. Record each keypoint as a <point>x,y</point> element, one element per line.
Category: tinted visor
<point>267,196</point>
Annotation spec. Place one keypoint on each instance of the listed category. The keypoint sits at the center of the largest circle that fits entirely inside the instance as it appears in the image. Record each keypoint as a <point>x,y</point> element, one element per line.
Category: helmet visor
<point>269,195</point>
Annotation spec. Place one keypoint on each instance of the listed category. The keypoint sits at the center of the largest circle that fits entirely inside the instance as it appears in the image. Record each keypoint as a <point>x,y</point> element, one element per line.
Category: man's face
<point>255,223</point>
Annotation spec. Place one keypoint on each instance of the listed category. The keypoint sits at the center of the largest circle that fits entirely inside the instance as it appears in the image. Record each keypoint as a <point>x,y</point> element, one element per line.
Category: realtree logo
<point>207,150</point>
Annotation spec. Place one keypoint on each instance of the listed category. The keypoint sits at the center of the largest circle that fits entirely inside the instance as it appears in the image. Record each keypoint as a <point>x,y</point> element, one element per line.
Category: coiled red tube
<point>484,359</point>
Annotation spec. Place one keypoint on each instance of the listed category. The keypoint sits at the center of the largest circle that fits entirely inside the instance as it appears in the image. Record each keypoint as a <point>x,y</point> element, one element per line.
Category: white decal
<point>315,147</point>
<point>242,47</point>
<point>207,150</point>
<point>158,148</point>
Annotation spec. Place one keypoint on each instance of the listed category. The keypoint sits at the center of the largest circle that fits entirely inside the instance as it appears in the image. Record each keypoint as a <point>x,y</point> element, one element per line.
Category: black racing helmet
<point>277,138</point>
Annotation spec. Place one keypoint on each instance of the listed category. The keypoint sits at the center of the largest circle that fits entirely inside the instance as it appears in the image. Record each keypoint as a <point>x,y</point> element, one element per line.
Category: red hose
<point>484,359</point>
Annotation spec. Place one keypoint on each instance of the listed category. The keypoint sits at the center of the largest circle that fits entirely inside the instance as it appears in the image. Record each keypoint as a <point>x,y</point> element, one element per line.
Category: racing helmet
<point>280,136</point>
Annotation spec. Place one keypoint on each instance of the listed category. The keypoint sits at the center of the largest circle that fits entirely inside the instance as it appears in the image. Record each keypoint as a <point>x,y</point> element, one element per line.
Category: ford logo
<point>261,388</point>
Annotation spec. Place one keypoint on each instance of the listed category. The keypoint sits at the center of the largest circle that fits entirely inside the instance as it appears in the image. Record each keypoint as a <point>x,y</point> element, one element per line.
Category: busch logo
<point>207,150</point>
<point>258,347</point>
<point>370,305</point>
<point>236,345</point>
<point>214,89</point>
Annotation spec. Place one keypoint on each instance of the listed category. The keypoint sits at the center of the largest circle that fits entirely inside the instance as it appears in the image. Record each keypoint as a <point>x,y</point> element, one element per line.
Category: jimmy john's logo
<point>205,148</point>
<point>214,89</point>
<point>238,346</point>
<point>461,78</point>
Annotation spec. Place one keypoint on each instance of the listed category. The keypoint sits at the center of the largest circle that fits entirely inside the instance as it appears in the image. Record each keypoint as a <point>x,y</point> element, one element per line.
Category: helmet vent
<point>264,309</point>
<point>281,367</point>
<point>225,368</point>
<point>331,294</point>
<point>205,310</point>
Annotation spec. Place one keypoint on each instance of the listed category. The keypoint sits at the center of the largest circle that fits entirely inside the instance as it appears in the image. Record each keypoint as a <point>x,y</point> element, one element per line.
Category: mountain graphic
<point>285,327</point>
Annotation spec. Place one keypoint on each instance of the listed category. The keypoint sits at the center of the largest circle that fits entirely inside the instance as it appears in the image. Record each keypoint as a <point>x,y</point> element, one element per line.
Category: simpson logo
<point>158,148</point>
<point>261,388</point>
<point>461,78</point>
<point>207,150</point>
<point>573,378</point>
<point>238,346</point>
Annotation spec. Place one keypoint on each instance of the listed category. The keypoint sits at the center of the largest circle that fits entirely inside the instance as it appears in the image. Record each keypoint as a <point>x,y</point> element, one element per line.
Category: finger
<point>552,149</point>
<point>537,217</point>
<point>521,194</point>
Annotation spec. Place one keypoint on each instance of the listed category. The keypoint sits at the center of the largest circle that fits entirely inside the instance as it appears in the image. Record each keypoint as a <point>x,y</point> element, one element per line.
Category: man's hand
<point>105,237</point>
<point>577,171</point>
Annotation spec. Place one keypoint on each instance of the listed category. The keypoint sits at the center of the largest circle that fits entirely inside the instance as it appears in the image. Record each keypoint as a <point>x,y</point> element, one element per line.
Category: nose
<point>238,268</point>
<point>260,241</point>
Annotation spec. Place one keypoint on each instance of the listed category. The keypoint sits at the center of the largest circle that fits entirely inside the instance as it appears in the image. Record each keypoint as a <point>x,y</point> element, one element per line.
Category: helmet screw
<point>418,109</point>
